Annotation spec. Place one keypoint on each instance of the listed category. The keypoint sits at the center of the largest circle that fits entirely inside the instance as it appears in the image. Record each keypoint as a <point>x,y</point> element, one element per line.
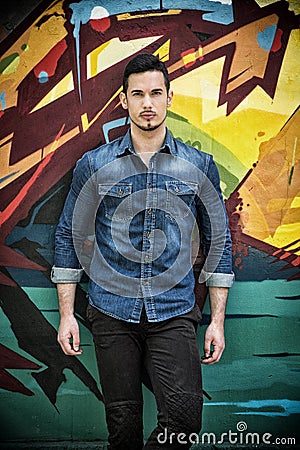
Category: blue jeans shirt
<point>136,230</point>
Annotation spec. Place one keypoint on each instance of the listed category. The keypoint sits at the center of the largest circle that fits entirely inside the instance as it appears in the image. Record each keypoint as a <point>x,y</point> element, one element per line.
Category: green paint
<point>231,169</point>
<point>239,377</point>
<point>9,64</point>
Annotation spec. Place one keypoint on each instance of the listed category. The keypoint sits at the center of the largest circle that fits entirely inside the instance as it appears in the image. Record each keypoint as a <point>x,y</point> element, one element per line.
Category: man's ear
<point>123,100</point>
<point>169,98</point>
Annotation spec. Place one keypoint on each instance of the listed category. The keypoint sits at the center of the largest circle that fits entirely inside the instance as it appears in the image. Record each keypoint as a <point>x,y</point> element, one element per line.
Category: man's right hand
<point>68,336</point>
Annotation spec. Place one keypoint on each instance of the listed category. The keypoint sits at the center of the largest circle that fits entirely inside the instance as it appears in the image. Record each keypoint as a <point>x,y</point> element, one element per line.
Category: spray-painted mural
<point>235,74</point>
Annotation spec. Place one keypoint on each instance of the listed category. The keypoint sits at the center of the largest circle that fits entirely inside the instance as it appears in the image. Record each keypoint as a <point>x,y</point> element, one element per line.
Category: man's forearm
<point>68,331</point>
<point>218,299</point>
<point>66,297</point>
<point>214,342</point>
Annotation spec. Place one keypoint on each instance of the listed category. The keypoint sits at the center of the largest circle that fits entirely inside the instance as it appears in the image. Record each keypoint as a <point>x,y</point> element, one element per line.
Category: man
<point>142,197</point>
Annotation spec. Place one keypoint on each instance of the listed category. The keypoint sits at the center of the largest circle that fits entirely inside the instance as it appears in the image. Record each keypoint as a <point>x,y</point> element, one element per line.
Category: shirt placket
<point>148,239</point>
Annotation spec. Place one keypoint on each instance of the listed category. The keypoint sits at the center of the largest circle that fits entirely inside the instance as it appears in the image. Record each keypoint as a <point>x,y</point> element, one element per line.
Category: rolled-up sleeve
<point>66,275</point>
<point>215,233</point>
<point>219,279</point>
<point>67,267</point>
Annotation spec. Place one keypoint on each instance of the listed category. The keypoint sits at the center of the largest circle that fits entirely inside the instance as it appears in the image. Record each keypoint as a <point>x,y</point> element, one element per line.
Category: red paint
<point>285,255</point>
<point>60,132</point>
<point>296,262</point>
<point>10,258</point>
<point>49,63</point>
<point>12,360</point>
<point>11,208</point>
<point>277,44</point>
<point>6,281</point>
<point>186,53</point>
<point>100,24</point>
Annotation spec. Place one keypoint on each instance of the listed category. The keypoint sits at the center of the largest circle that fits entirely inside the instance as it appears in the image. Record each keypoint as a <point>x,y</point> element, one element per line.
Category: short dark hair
<point>145,62</point>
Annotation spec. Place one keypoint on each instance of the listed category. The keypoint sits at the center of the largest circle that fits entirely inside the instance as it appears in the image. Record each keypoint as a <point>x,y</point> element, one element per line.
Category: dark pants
<point>167,351</point>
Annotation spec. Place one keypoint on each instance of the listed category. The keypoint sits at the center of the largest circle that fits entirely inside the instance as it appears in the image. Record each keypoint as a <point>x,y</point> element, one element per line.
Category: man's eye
<point>137,94</point>
<point>156,93</point>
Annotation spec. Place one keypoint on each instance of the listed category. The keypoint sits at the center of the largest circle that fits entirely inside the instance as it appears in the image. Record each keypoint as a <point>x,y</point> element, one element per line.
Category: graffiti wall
<point>234,70</point>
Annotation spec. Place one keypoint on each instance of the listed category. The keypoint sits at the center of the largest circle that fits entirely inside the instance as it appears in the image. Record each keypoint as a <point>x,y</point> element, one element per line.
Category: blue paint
<point>2,100</point>
<point>284,407</point>
<point>19,233</point>
<point>113,124</point>
<point>82,13</point>
<point>217,12</point>
<point>265,38</point>
<point>8,176</point>
<point>43,77</point>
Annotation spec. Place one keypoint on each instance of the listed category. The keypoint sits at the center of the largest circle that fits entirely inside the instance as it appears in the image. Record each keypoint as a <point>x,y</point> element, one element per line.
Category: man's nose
<point>147,102</point>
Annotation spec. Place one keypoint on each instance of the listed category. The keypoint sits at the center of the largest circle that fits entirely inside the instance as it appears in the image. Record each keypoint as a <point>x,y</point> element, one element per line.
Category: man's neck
<point>147,141</point>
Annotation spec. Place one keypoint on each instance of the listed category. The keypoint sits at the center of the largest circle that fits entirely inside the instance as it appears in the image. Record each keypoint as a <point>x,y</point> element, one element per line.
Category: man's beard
<point>148,127</point>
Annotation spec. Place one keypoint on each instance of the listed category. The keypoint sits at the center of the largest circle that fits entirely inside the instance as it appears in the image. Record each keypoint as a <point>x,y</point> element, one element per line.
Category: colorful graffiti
<point>234,70</point>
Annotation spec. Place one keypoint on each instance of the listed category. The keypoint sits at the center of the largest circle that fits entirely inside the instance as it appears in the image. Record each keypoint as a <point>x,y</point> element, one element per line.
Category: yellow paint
<point>12,67</point>
<point>296,203</point>
<point>63,87</point>
<point>294,5</point>
<point>129,16</point>
<point>114,51</point>
<point>256,120</point>
<point>253,221</point>
<point>31,160</point>
<point>247,61</point>
<point>278,204</point>
<point>39,40</point>
<point>284,235</point>
<point>86,124</point>
<point>163,52</point>
<point>92,60</point>
<point>18,168</point>
<point>61,141</point>
<point>189,58</point>
<point>188,107</point>
<point>258,113</point>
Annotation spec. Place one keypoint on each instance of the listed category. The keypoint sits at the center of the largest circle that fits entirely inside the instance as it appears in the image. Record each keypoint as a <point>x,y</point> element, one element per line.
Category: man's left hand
<point>214,344</point>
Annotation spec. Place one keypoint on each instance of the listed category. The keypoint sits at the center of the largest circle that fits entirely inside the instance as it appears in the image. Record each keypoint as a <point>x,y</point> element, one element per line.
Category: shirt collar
<point>126,146</point>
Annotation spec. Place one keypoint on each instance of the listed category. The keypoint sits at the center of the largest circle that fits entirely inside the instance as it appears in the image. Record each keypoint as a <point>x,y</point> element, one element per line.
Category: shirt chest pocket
<point>180,197</point>
<point>117,201</point>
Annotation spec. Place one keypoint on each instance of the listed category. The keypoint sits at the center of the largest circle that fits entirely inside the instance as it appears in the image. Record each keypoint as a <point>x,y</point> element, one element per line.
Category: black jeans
<point>165,356</point>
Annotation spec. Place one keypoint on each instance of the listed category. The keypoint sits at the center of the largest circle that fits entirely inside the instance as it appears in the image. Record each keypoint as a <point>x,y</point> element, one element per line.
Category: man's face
<point>146,100</point>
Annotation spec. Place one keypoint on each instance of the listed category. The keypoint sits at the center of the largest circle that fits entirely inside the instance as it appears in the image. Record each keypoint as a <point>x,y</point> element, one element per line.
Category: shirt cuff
<point>66,275</point>
<point>217,279</point>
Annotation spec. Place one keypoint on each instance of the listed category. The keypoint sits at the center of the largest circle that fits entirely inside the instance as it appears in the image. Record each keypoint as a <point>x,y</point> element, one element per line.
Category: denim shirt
<point>136,230</point>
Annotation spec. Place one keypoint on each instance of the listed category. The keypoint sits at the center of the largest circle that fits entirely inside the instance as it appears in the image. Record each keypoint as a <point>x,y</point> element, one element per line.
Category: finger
<point>67,346</point>
<point>215,355</point>
<point>76,343</point>
<point>207,348</point>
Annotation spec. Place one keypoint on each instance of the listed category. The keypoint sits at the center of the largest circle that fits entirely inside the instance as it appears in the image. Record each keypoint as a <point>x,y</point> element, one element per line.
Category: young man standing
<point>145,194</point>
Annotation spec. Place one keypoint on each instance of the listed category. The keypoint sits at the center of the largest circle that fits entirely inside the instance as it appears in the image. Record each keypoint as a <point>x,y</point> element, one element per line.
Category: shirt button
<point>144,282</point>
<point>146,258</point>
<point>150,186</point>
<point>148,235</point>
<point>150,211</point>
<point>120,191</point>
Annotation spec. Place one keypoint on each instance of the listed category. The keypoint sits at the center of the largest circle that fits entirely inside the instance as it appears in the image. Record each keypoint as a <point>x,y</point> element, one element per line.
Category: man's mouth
<point>148,115</point>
